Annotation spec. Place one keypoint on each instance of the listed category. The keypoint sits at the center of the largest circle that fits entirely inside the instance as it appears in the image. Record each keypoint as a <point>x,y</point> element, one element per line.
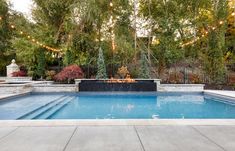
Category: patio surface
<point>118,138</point>
<point>120,135</point>
<point>221,93</point>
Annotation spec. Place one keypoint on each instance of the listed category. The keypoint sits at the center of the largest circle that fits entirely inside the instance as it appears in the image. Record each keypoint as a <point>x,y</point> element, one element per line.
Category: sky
<point>23,6</point>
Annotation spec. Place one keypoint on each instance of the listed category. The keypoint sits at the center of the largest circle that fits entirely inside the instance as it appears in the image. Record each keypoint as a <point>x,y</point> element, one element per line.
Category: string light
<point>203,35</point>
<point>111,4</point>
<point>33,40</point>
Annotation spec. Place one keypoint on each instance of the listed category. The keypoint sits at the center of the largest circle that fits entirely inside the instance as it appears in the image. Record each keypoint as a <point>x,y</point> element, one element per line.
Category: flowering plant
<point>19,74</point>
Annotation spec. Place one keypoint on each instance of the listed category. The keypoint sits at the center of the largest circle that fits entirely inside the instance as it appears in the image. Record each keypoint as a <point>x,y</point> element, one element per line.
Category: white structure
<point>13,67</point>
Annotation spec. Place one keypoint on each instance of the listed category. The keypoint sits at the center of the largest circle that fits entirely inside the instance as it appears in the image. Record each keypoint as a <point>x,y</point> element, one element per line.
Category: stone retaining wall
<point>18,79</point>
<point>55,88</point>
<point>15,88</point>
<point>180,88</point>
<point>38,87</point>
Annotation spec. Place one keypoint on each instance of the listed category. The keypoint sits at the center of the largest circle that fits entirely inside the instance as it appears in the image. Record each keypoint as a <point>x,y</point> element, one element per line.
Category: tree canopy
<point>167,31</point>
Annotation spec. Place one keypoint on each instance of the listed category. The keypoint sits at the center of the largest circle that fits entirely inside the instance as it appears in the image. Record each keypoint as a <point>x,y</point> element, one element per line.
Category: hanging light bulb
<point>111,4</point>
<point>221,22</point>
<point>0,17</point>
<point>233,14</point>
<point>12,26</point>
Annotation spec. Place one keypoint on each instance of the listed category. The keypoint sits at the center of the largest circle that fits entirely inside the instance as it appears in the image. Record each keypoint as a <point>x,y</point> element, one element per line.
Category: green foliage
<point>41,63</point>
<point>215,66</point>
<point>6,54</point>
<point>80,27</point>
<point>101,74</point>
<point>144,72</point>
<point>68,59</point>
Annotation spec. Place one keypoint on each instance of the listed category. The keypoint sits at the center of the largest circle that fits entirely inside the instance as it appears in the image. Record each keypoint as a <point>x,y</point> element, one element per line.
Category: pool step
<point>43,108</point>
<point>52,111</point>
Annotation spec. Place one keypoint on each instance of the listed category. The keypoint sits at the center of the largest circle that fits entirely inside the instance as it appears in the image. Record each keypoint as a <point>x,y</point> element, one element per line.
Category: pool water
<point>117,106</point>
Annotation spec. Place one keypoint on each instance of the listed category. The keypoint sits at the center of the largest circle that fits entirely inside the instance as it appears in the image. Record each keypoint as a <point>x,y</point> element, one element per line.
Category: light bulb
<point>111,4</point>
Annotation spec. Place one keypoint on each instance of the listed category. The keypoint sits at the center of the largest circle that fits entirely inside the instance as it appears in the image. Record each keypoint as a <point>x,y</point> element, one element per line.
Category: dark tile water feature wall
<point>103,85</point>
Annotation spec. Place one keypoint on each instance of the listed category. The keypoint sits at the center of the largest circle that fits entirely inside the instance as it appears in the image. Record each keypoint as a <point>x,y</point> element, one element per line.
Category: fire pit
<point>135,85</point>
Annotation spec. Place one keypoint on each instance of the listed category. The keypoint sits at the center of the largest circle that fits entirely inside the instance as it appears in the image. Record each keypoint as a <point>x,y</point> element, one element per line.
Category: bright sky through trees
<point>23,6</point>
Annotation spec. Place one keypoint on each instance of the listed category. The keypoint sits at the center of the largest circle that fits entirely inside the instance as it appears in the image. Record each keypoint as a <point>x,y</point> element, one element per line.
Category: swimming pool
<point>116,106</point>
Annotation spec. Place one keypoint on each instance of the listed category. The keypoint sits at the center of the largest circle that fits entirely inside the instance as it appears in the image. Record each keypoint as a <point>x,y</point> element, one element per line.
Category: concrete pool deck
<point>120,135</point>
<point>118,138</point>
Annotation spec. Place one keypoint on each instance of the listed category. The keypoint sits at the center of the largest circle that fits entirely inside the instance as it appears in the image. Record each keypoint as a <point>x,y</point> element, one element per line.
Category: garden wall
<point>180,88</point>
<point>15,88</point>
<point>55,88</point>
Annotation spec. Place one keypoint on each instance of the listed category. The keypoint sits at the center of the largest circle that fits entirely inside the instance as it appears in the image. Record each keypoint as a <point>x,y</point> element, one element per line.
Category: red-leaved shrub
<point>69,73</point>
<point>19,74</point>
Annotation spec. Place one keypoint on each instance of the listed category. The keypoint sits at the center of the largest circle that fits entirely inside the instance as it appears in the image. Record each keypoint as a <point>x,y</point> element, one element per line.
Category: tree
<point>144,72</point>
<point>101,74</point>
<point>165,22</point>
<point>41,68</point>
<point>68,58</point>
<point>5,37</point>
<point>215,66</point>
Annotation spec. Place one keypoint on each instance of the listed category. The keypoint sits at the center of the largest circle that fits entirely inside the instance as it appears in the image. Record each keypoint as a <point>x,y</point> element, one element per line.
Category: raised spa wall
<point>48,86</point>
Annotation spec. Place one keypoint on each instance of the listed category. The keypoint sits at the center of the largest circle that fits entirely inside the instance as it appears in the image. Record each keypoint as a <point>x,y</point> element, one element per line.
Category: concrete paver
<point>222,135</point>
<point>174,138</point>
<point>4,131</point>
<point>105,138</point>
<point>37,139</point>
<point>118,138</point>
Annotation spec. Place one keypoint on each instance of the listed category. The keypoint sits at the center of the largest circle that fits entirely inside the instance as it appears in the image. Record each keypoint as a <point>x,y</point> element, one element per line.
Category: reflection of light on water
<point>182,115</point>
<point>129,107</point>
<point>109,116</point>
<point>155,116</point>
<point>182,98</point>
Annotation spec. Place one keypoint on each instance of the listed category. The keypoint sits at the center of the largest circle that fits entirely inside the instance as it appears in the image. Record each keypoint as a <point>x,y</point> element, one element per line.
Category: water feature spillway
<point>117,85</point>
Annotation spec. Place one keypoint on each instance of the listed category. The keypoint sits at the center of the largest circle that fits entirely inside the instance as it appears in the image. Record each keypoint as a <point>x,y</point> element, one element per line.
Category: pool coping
<point>11,96</point>
<point>123,122</point>
<point>119,122</point>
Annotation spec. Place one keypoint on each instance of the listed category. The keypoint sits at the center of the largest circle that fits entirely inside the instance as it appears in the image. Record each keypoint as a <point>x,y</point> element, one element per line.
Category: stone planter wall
<point>180,88</point>
<point>55,88</point>
<point>15,88</point>
<point>18,79</point>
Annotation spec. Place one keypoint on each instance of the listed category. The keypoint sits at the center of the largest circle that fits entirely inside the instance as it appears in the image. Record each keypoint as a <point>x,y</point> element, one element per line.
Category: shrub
<point>144,71</point>
<point>194,78</point>
<point>50,75</point>
<point>101,74</point>
<point>19,74</point>
<point>123,72</point>
<point>69,73</point>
